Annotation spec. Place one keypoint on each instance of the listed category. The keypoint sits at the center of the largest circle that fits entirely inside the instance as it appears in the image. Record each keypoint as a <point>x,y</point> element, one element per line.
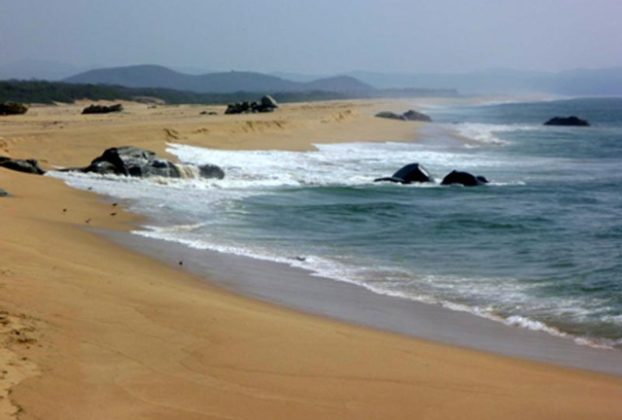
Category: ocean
<point>540,247</point>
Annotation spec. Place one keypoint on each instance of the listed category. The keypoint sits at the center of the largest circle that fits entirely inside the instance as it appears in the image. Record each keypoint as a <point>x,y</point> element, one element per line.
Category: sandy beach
<point>90,329</point>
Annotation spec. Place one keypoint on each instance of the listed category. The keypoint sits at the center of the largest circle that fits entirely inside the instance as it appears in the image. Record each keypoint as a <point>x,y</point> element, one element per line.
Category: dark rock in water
<point>572,121</point>
<point>211,171</point>
<point>413,172</point>
<point>3,193</point>
<point>463,178</point>
<point>410,115</point>
<point>265,104</point>
<point>29,166</point>
<point>102,109</point>
<point>12,108</point>
<point>134,161</point>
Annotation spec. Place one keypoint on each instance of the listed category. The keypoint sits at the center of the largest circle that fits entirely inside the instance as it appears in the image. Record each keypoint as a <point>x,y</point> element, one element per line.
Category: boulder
<point>265,104</point>
<point>268,102</point>
<point>102,109</point>
<point>3,193</point>
<point>211,171</point>
<point>463,178</point>
<point>137,162</point>
<point>132,161</point>
<point>572,121</point>
<point>410,115</point>
<point>238,108</point>
<point>12,108</point>
<point>29,166</point>
<point>413,172</point>
<point>389,115</point>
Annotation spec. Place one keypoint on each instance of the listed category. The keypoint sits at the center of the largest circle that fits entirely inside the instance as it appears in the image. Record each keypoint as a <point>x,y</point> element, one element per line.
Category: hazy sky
<point>316,36</point>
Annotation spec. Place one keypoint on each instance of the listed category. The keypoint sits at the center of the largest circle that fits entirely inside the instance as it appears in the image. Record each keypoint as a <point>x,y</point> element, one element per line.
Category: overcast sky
<point>316,36</point>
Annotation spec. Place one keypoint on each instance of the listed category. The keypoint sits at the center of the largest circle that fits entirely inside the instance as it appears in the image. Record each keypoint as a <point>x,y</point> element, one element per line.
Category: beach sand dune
<point>116,335</point>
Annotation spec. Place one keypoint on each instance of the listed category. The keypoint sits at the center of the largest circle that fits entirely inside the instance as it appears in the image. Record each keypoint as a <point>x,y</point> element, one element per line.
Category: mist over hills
<point>597,82</point>
<point>37,69</point>
<point>144,76</point>
<point>581,82</point>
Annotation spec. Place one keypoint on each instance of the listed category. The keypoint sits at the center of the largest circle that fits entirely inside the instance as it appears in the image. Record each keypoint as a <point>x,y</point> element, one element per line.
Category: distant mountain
<point>298,77</point>
<point>505,81</point>
<point>152,76</point>
<point>338,84</point>
<point>37,69</point>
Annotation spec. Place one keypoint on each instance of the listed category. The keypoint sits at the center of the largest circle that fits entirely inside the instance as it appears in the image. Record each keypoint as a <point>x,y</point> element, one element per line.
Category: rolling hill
<point>152,76</point>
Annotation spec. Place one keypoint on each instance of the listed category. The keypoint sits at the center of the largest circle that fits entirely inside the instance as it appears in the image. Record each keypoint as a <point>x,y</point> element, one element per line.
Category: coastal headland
<point>90,329</point>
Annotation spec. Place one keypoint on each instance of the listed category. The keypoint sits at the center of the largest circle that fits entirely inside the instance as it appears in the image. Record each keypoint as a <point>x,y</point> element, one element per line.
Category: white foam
<point>352,164</point>
<point>488,133</point>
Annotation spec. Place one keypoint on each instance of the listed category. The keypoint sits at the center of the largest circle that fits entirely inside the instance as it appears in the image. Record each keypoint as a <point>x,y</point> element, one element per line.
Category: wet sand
<point>300,289</point>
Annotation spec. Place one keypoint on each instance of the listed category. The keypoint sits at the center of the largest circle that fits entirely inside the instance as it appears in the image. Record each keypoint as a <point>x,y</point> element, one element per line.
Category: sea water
<point>540,247</point>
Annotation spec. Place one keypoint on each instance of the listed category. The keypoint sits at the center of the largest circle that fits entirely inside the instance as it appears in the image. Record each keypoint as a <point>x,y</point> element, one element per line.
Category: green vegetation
<point>50,92</point>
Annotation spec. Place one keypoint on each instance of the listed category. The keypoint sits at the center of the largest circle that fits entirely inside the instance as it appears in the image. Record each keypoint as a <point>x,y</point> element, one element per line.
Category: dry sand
<point>89,330</point>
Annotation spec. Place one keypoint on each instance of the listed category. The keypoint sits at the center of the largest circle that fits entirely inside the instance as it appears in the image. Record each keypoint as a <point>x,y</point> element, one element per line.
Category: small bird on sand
<point>113,214</point>
<point>87,221</point>
<point>181,263</point>
<point>64,210</point>
<point>115,204</point>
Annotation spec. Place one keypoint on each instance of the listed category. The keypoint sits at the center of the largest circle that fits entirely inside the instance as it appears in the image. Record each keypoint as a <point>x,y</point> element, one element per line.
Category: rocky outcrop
<point>3,193</point>
<point>29,166</point>
<point>102,109</point>
<point>137,162</point>
<point>265,104</point>
<point>572,121</point>
<point>132,161</point>
<point>390,115</point>
<point>12,108</point>
<point>413,172</point>
<point>463,178</point>
<point>410,115</point>
<point>211,171</point>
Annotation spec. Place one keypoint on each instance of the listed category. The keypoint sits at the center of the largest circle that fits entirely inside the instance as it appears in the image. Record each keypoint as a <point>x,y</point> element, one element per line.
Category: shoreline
<point>115,334</point>
<point>299,289</point>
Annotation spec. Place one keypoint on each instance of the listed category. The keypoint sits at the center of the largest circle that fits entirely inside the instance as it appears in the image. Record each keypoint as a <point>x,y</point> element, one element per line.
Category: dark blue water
<point>540,247</point>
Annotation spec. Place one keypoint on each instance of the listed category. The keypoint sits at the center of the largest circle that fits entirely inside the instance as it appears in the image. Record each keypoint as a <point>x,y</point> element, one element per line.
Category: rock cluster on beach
<point>416,173</point>
<point>3,193</point>
<point>30,166</point>
<point>102,109</point>
<point>572,121</point>
<point>410,115</point>
<point>12,108</point>
<point>265,104</point>
<point>137,162</point>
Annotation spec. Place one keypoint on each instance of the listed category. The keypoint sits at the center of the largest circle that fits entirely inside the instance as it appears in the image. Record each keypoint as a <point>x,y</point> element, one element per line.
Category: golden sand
<point>89,330</point>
